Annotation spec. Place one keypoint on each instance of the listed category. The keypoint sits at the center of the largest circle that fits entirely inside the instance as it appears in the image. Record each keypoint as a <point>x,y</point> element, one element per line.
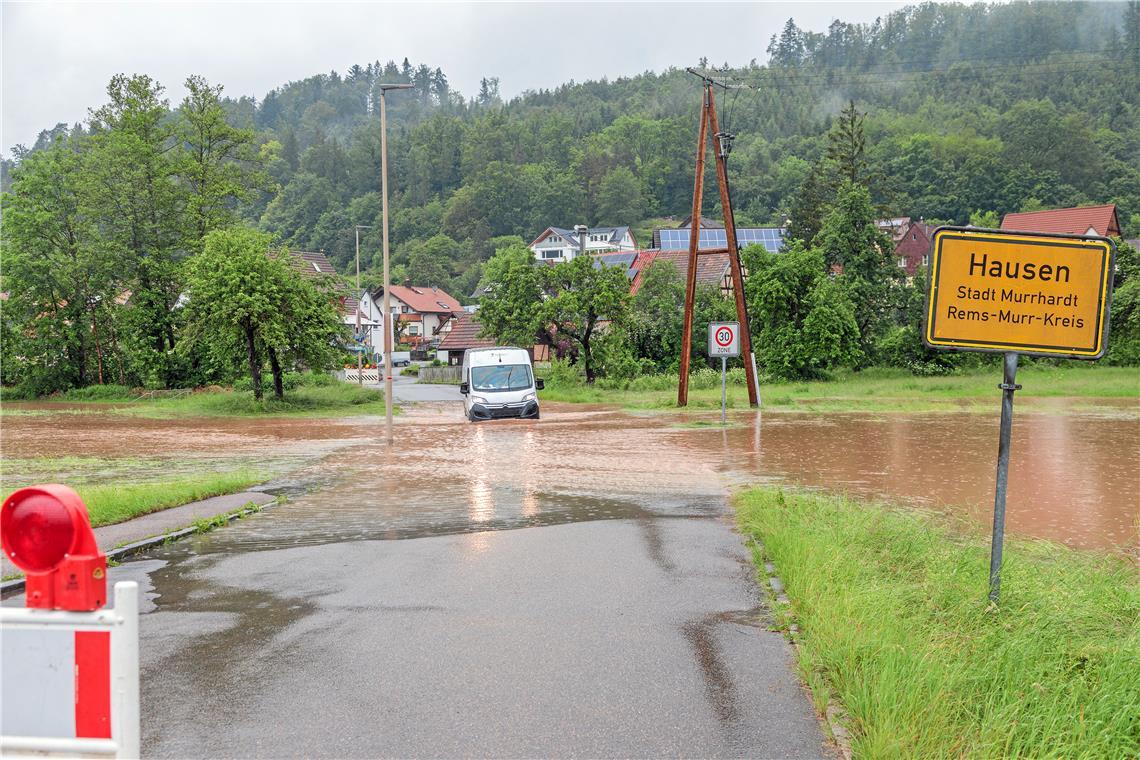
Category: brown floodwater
<point>1073,475</point>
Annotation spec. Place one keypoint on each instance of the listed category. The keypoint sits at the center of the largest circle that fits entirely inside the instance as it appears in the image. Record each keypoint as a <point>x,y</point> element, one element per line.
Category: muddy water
<point>1073,476</point>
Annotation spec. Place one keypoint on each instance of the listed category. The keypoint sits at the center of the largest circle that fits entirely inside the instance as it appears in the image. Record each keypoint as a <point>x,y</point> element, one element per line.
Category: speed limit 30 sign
<point>724,339</point>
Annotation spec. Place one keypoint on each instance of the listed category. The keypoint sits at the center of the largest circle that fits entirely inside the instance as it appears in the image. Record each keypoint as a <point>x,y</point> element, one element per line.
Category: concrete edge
<point>834,716</point>
<point>14,586</point>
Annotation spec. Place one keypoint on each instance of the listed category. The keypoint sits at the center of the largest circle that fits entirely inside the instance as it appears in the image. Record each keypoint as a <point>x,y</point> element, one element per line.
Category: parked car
<point>399,358</point>
<point>497,383</point>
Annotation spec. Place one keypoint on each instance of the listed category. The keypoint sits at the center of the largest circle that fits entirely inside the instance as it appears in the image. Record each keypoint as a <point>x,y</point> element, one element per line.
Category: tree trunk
<point>278,382</point>
<point>588,359</point>
<point>254,364</point>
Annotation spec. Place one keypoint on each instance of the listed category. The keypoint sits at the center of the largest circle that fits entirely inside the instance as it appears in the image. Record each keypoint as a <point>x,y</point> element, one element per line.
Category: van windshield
<point>501,377</point>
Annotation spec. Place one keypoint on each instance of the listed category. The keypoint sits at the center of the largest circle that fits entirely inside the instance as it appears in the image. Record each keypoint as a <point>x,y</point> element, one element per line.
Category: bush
<point>562,373</point>
<point>414,369</point>
<point>99,393</point>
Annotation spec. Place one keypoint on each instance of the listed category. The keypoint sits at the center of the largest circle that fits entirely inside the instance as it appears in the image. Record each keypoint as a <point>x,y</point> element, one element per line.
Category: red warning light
<point>46,533</point>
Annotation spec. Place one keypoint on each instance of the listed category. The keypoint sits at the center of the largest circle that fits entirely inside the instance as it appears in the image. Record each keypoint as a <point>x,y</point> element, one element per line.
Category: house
<point>459,335</point>
<point>912,245</point>
<point>315,265</point>
<point>556,244</point>
<point>420,312</point>
<point>714,268</point>
<point>1084,220</point>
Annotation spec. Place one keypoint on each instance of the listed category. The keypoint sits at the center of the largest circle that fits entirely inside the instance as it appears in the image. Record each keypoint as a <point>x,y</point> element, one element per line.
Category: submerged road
<point>569,587</point>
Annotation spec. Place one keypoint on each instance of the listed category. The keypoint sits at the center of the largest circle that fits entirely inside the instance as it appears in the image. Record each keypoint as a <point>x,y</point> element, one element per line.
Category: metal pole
<point>723,389</point>
<point>387,276</point>
<point>1008,386</point>
<point>356,337</point>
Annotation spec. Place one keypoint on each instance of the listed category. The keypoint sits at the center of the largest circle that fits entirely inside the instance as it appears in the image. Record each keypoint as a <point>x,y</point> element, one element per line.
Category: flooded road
<point>1074,476</point>
<point>572,586</point>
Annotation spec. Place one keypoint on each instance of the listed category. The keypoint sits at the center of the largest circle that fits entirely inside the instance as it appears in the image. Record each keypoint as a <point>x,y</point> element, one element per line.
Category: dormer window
<point>316,267</point>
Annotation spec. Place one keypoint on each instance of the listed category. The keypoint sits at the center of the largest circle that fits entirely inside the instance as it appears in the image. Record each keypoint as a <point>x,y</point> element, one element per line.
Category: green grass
<point>895,627</point>
<point>107,504</point>
<point>879,390</point>
<point>329,400</point>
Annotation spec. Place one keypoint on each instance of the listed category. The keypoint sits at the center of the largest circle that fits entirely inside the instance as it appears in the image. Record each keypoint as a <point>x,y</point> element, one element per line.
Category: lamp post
<point>359,353</point>
<point>387,277</point>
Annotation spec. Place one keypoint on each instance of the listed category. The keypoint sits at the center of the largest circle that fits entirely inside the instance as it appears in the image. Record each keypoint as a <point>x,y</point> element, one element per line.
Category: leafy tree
<point>808,207</point>
<point>851,241</point>
<point>130,187</point>
<point>245,301</point>
<point>509,310</point>
<point>803,322</point>
<point>218,162</point>
<point>619,198</point>
<point>657,315</point>
<point>579,296</point>
<point>989,220</point>
<point>61,312</point>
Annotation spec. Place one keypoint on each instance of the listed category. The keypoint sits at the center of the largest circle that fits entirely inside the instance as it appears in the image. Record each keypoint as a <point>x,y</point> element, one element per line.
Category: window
<point>913,236</point>
<point>413,329</point>
<point>500,377</point>
<point>925,259</point>
<point>552,254</point>
<point>902,263</point>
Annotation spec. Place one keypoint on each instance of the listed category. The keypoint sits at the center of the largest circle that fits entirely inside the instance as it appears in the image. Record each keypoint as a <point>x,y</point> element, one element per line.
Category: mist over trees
<point>945,112</point>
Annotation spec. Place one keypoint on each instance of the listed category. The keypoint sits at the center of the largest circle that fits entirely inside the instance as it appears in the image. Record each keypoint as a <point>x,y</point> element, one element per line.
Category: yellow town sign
<point>1013,291</point>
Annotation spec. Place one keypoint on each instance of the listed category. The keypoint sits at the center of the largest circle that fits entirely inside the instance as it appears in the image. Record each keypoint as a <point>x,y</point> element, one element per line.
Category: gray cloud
<point>58,57</point>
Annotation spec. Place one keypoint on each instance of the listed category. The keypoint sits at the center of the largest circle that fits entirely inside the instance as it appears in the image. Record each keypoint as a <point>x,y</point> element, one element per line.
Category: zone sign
<point>1043,295</point>
<point>724,339</point>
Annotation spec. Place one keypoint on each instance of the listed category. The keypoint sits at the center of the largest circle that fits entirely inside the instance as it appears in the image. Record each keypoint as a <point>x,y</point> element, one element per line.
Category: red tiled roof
<point>316,265</point>
<point>426,300</point>
<point>1066,221</point>
<point>465,334</point>
<point>711,267</point>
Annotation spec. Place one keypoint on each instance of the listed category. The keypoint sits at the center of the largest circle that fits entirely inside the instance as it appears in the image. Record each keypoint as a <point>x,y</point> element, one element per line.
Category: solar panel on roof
<point>772,238</point>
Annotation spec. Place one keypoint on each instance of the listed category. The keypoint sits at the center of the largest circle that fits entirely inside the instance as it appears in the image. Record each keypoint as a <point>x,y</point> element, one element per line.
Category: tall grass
<point>894,624</point>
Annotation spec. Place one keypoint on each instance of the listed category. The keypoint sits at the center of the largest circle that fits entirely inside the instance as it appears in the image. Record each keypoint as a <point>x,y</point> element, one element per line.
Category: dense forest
<point>964,112</point>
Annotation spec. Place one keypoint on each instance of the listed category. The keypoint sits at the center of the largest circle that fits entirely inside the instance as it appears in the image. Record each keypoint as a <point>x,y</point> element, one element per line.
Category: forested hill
<point>969,108</point>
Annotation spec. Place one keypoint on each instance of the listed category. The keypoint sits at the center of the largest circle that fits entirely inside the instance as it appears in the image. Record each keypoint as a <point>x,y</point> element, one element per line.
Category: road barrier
<point>70,681</point>
<point>370,375</point>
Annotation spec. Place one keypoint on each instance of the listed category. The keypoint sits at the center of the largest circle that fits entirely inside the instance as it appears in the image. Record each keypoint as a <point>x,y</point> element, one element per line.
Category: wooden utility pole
<point>721,146</point>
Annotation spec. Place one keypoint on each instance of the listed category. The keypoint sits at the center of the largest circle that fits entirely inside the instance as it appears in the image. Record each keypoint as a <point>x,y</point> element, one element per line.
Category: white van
<point>497,383</point>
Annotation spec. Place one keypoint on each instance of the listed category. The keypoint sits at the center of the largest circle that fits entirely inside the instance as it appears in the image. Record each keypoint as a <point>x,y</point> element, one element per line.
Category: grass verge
<point>107,504</point>
<point>894,625</point>
<point>876,390</point>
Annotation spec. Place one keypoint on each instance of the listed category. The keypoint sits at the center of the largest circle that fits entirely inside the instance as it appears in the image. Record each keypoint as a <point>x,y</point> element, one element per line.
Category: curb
<point>834,715</point>
<point>16,585</point>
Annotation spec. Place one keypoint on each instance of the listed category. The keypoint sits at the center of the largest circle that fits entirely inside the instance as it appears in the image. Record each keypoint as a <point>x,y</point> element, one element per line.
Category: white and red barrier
<point>70,679</point>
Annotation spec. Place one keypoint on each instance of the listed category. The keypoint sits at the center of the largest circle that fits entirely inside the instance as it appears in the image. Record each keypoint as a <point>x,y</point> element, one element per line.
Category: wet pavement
<point>566,587</point>
<point>572,587</point>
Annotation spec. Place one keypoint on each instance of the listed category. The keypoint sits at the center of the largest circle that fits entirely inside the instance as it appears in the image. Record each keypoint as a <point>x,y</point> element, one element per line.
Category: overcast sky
<point>58,57</point>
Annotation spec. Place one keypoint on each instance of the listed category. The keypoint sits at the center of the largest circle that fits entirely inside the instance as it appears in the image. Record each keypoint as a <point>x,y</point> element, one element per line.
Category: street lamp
<point>387,277</point>
<point>359,353</point>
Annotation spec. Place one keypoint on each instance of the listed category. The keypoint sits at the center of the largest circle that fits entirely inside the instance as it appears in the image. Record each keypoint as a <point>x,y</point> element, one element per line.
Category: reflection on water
<point>1073,477</point>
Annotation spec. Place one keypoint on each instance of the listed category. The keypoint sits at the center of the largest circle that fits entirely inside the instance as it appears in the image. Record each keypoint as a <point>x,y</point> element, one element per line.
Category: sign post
<point>724,341</point>
<point>1017,293</point>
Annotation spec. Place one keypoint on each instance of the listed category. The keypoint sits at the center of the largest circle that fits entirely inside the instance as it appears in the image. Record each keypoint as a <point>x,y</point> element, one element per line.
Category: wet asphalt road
<point>570,587</point>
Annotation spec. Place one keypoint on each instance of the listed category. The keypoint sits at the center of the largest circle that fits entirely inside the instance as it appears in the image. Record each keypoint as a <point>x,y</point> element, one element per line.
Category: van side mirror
<point>539,384</point>
<point>464,388</point>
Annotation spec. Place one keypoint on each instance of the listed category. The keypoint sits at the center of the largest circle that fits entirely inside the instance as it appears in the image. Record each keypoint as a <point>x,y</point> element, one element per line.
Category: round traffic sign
<point>723,336</point>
